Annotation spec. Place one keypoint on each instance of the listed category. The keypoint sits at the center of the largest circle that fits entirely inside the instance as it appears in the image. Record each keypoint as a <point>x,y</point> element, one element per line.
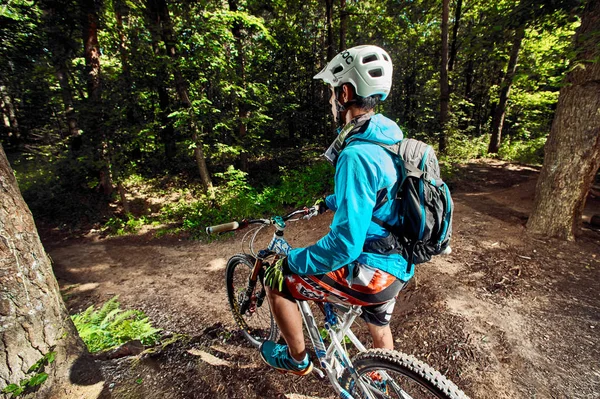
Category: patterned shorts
<point>373,289</point>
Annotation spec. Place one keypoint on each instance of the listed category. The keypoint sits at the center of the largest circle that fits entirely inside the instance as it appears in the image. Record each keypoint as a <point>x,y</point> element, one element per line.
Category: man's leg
<point>378,319</point>
<point>288,318</point>
<point>382,336</point>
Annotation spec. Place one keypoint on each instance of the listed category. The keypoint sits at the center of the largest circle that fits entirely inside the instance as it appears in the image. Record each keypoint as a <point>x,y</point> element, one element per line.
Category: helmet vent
<point>369,58</point>
<point>376,73</point>
<point>337,69</point>
<point>385,57</point>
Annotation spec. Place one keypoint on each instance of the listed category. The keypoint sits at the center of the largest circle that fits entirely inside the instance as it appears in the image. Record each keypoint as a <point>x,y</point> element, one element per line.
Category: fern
<point>110,327</point>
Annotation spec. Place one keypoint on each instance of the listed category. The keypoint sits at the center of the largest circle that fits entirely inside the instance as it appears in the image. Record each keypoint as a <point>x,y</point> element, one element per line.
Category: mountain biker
<point>358,261</point>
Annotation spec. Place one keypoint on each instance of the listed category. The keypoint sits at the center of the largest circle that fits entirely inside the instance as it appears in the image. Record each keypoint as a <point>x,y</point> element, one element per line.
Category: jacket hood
<point>382,130</point>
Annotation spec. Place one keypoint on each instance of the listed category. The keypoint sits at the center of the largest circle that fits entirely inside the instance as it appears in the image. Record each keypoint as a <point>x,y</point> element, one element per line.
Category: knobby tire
<point>409,371</point>
<point>259,325</point>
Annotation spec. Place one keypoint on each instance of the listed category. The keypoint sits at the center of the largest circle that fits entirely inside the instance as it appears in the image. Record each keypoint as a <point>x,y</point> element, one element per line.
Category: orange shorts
<point>373,289</point>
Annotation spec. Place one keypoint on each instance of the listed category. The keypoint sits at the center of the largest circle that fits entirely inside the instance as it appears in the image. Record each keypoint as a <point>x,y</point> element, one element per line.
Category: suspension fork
<point>246,301</point>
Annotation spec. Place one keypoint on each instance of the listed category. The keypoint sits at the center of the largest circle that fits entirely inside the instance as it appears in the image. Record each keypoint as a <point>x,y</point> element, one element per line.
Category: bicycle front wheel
<point>250,307</point>
<point>390,374</point>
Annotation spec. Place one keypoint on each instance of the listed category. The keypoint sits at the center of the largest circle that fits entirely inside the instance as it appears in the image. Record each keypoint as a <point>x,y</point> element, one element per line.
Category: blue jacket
<point>362,170</point>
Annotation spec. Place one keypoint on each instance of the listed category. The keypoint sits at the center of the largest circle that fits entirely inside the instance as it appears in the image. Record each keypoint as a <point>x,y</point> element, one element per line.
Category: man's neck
<point>353,113</point>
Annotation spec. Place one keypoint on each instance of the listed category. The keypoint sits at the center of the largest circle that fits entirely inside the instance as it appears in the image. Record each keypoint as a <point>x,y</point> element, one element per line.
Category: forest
<point>216,97</point>
<point>129,126</point>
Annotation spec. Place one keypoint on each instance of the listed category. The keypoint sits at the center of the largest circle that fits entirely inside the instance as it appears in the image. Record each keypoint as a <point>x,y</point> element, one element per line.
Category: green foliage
<point>37,379</point>
<point>110,327</point>
<point>235,198</point>
<point>247,73</point>
<point>129,225</point>
<point>526,152</point>
<point>461,148</point>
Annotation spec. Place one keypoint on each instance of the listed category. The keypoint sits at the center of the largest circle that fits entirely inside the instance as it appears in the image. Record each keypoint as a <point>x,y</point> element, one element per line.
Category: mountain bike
<point>371,373</point>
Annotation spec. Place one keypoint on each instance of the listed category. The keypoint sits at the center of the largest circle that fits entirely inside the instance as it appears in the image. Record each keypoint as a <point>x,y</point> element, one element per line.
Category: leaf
<point>37,379</point>
<point>50,357</point>
<point>12,388</point>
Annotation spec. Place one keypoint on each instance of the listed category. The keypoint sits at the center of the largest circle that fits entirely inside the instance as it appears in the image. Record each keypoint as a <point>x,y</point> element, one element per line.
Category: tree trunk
<point>14,131</point>
<point>95,123</point>
<point>243,112</point>
<point>67,96</point>
<point>91,50</point>
<point>182,91</point>
<point>454,46</point>
<point>167,132</point>
<point>121,8</point>
<point>572,153</point>
<point>343,24</point>
<point>500,112</point>
<point>34,319</point>
<point>444,84</point>
<point>329,14</point>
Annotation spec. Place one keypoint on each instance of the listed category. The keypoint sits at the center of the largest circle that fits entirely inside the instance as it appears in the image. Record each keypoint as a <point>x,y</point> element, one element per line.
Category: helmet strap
<point>340,108</point>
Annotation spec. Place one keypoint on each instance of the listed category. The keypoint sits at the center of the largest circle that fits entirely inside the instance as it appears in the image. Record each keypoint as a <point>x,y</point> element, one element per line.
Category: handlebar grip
<point>222,227</point>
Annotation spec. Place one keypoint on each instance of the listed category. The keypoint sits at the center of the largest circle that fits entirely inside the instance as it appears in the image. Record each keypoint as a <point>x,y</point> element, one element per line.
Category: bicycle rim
<point>256,323</point>
<point>390,374</point>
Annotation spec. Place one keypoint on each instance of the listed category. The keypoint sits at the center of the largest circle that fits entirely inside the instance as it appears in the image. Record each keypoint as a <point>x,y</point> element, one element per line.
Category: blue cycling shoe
<point>278,357</point>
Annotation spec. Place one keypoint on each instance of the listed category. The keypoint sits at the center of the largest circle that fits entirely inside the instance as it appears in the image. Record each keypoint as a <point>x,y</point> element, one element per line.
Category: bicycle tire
<point>257,325</point>
<point>408,368</point>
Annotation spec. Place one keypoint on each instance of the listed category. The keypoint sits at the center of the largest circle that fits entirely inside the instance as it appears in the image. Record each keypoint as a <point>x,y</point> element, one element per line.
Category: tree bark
<point>182,91</point>
<point>33,318</point>
<point>94,120</point>
<point>454,46</point>
<point>343,24</point>
<point>243,112</point>
<point>67,96</point>
<point>91,50</point>
<point>167,132</point>
<point>14,133</point>
<point>329,14</point>
<point>572,153</point>
<point>500,112</point>
<point>444,84</point>
<point>121,8</point>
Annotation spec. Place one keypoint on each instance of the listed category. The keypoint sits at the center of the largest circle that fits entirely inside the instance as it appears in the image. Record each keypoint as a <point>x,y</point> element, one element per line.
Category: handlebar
<point>232,226</point>
<point>220,228</point>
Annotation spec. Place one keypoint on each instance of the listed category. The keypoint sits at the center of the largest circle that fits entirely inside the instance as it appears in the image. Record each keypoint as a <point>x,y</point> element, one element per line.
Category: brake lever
<point>310,212</point>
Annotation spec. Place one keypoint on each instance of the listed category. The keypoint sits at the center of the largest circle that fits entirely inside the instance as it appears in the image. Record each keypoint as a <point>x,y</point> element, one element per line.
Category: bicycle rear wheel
<point>251,312</point>
<point>391,374</point>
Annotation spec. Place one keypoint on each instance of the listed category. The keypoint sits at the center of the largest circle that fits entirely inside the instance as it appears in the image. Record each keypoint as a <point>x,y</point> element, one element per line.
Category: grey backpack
<point>425,212</point>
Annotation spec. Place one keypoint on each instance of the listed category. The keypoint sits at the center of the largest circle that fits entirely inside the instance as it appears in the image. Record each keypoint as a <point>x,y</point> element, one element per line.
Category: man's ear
<point>347,93</point>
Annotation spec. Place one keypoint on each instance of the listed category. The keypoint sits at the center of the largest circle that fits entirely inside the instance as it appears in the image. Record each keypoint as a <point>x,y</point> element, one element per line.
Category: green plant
<point>131,224</point>
<point>526,151</point>
<point>38,377</point>
<point>110,327</point>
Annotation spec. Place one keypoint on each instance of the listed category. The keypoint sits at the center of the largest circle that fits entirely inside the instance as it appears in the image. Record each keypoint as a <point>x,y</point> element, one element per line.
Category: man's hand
<point>275,274</point>
<point>321,205</point>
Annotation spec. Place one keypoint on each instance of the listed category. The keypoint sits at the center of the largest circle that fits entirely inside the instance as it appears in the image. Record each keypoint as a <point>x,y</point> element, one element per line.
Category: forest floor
<point>504,316</point>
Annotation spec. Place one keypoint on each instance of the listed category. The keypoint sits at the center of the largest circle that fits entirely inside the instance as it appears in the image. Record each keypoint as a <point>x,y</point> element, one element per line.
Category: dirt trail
<point>503,316</point>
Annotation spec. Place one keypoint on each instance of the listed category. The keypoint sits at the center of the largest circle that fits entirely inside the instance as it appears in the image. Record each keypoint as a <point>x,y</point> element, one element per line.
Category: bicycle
<point>372,373</point>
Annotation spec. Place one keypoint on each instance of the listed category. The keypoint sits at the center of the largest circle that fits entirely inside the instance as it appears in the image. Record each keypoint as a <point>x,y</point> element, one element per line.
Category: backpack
<point>425,212</point>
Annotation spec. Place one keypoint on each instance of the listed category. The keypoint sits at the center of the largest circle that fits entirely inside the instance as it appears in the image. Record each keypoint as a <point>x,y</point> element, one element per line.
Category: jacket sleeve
<point>355,193</point>
<point>330,202</point>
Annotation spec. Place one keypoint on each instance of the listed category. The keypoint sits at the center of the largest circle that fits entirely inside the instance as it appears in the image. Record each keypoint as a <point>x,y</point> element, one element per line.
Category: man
<point>357,262</point>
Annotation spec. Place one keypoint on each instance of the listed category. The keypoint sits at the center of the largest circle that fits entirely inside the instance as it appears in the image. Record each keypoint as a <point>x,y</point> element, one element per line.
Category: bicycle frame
<point>334,358</point>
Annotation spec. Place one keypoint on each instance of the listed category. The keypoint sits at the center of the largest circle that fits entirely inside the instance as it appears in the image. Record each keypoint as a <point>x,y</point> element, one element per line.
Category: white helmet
<point>368,68</point>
